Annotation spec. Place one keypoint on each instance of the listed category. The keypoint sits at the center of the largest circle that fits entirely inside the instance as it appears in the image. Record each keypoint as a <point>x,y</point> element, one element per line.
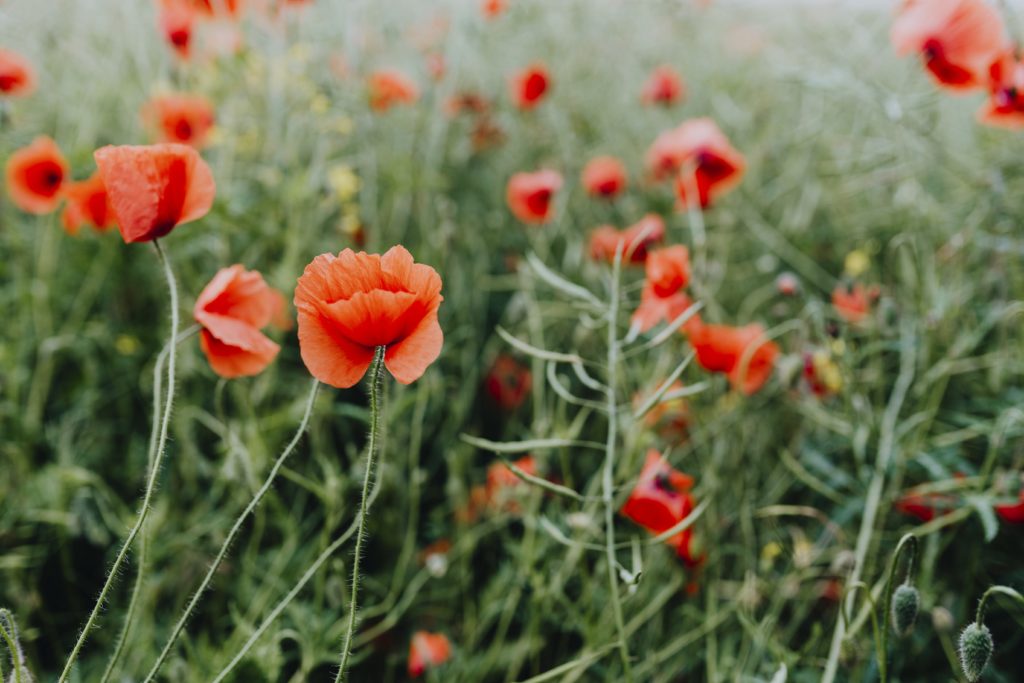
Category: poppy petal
<point>329,357</point>
<point>408,359</point>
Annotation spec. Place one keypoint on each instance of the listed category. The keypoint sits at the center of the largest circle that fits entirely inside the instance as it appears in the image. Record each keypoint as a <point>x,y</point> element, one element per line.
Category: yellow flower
<point>857,261</point>
<point>350,223</point>
<point>344,181</point>
<point>126,344</point>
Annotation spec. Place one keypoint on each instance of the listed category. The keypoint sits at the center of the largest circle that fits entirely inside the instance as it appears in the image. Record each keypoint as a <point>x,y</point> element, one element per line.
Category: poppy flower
<point>669,418</point>
<point>508,383</point>
<point>232,309</point>
<point>529,195</point>
<point>215,8</point>
<point>663,299</point>
<point>821,373</point>
<point>351,303</point>
<point>925,507</point>
<point>17,78</point>
<point>1005,105</point>
<point>154,188</point>
<point>787,284</point>
<point>35,176</point>
<point>87,202</point>
<point>426,651</point>
<point>664,86</point>
<point>637,240</point>
<point>1012,512</point>
<point>492,9</point>
<point>604,177</point>
<point>660,500</point>
<point>504,486</point>
<point>957,39</point>
<point>722,348</point>
<point>177,20</point>
<point>853,303</point>
<point>187,119</point>
<point>709,163</point>
<point>529,86</point>
<point>389,87</point>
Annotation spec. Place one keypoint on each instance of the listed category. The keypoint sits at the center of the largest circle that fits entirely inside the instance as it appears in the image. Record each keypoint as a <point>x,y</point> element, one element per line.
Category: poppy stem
<point>151,483</point>
<point>1004,590</point>
<point>222,553</point>
<point>376,370</point>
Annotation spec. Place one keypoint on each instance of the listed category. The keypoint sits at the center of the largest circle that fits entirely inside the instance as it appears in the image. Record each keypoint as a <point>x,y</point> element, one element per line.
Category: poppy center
<point>183,130</point>
<point>538,202</point>
<point>534,87</point>
<point>45,178</point>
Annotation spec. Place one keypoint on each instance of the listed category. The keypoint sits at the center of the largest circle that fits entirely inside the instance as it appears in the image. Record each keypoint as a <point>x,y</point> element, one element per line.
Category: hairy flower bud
<point>905,603</point>
<point>975,650</point>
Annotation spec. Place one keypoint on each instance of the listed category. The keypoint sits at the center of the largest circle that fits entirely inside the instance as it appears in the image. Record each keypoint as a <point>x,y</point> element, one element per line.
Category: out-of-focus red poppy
<point>787,284</point>
<point>508,383</point>
<point>1005,105</point>
<point>1012,512</point>
<point>87,202</point>
<point>217,8</point>
<point>957,39</point>
<point>36,175</point>
<point>853,303</point>
<point>492,9</point>
<point>232,309</point>
<point>663,298</point>
<point>529,86</point>
<point>740,352</point>
<point>604,176</point>
<point>660,500</point>
<point>664,86</point>
<point>637,240</point>
<point>821,374</point>
<point>17,78</point>
<point>187,119</point>
<point>710,165</point>
<point>389,87</point>
<point>669,418</point>
<point>154,188</point>
<point>504,487</point>
<point>352,303</point>
<point>925,507</point>
<point>529,195</point>
<point>426,651</point>
<point>177,21</point>
<point>466,103</point>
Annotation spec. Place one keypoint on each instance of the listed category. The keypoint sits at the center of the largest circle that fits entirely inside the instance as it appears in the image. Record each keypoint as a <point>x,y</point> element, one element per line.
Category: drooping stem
<point>993,590</point>
<point>908,541</point>
<point>165,421</point>
<point>375,381</point>
<point>222,553</point>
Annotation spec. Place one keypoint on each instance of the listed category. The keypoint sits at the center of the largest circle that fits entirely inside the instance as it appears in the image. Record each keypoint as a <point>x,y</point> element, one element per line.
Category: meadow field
<point>693,350</point>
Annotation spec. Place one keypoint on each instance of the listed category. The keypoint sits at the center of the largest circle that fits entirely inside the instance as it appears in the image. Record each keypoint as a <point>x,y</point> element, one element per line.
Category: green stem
<point>908,541</point>
<point>9,629</point>
<point>1002,590</point>
<point>151,484</point>
<point>873,612</point>
<point>222,553</point>
<point>376,370</point>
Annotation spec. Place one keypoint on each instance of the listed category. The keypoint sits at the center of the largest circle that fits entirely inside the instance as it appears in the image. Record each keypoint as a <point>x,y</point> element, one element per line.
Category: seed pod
<point>975,650</point>
<point>905,603</point>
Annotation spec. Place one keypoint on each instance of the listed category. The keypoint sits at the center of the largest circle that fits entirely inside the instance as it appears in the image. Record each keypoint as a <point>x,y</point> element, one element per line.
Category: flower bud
<point>975,650</point>
<point>905,603</point>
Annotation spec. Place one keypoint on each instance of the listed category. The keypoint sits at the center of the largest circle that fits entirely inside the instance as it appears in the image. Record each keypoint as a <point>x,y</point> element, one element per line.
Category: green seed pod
<point>975,650</point>
<point>905,603</point>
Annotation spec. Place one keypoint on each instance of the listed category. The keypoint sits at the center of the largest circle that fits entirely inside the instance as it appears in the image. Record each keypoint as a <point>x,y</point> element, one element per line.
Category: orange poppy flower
<point>669,418</point>
<point>187,119</point>
<point>35,176</point>
<point>426,651</point>
<point>722,348</point>
<point>389,87</point>
<point>491,9</point>
<point>664,86</point>
<point>660,500</point>
<point>663,299</point>
<point>604,177</point>
<point>853,303</point>
<point>87,202</point>
<point>154,188</point>
<point>529,86</point>
<point>350,304</point>
<point>637,240</point>
<point>957,39</point>
<point>217,8</point>
<point>708,163</point>
<point>1005,105</point>
<point>232,309</point>
<point>177,20</point>
<point>529,195</point>
<point>508,383</point>
<point>17,78</point>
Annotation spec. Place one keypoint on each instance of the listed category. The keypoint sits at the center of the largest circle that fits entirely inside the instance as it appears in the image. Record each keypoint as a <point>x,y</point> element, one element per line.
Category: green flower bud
<point>905,603</point>
<point>975,650</point>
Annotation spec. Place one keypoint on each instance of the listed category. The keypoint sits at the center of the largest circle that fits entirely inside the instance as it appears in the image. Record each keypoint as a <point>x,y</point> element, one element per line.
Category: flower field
<point>462,341</point>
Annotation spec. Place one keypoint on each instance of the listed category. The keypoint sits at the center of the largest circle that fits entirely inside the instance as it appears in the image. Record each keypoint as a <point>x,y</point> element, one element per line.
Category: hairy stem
<point>1003,590</point>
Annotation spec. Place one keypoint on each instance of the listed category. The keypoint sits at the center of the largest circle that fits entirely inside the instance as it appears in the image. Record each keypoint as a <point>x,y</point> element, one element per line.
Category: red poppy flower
<point>389,87</point>
<point>664,86</point>
<point>232,309</point>
<point>529,195</point>
<point>504,486</point>
<point>1005,105</point>
<point>508,383</point>
<point>787,284</point>
<point>87,202</point>
<point>35,176</point>
<point>177,20</point>
<point>660,500</point>
<point>709,164</point>
<point>217,8</point>
<point>604,177</point>
<point>637,240</point>
<point>663,299</point>
<point>853,303</point>
<point>925,507</point>
<point>491,9</point>
<point>154,188</point>
<point>722,348</point>
<point>426,651</point>
<point>187,119</point>
<point>529,86</point>
<point>350,304</point>
<point>957,39</point>
<point>17,78</point>
<point>1012,512</point>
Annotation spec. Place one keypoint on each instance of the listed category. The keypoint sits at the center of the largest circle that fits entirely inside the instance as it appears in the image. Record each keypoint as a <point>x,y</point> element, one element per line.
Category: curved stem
<point>1002,590</point>
<point>151,483</point>
<point>908,541</point>
<point>222,553</point>
<point>375,380</point>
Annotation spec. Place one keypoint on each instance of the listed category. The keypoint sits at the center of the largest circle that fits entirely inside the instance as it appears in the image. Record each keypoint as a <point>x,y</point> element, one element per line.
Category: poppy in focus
<point>154,188</point>
<point>529,195</point>
<point>351,303</point>
<point>187,119</point>
<point>17,78</point>
<point>660,500</point>
<point>508,383</point>
<point>604,177</point>
<point>232,309</point>
<point>426,651</point>
<point>1005,105</point>
<point>663,298</point>
<point>36,175</point>
<point>741,353</point>
<point>87,202</point>
<point>390,87</point>
<point>636,240</point>
<point>664,86</point>
<point>529,86</point>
